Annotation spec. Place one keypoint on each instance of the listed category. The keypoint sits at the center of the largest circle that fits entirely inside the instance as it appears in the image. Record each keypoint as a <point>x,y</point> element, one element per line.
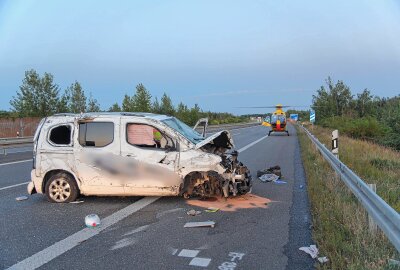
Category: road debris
<point>211,210</point>
<point>92,220</point>
<point>312,250</point>
<point>323,259</point>
<point>21,198</point>
<point>77,202</point>
<point>271,170</point>
<point>280,182</point>
<point>269,177</point>
<point>193,212</point>
<point>200,224</point>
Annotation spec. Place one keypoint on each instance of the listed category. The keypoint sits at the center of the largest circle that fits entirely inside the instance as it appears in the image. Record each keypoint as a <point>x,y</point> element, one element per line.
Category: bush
<point>366,128</point>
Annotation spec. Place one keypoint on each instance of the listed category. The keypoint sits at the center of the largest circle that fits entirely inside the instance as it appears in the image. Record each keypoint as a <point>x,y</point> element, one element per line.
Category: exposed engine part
<point>235,181</point>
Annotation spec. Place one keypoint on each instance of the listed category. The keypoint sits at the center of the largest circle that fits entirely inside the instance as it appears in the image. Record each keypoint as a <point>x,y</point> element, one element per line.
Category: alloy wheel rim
<point>59,190</point>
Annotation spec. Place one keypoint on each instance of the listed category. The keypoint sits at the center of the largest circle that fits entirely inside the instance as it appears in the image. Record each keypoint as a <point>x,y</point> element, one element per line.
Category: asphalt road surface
<point>261,230</point>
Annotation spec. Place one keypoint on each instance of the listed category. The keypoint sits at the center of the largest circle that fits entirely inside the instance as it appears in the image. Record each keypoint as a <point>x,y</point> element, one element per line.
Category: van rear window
<point>60,135</point>
<point>96,134</point>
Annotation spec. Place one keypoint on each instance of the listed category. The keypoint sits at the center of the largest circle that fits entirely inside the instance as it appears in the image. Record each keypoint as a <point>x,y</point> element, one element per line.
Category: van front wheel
<point>61,187</point>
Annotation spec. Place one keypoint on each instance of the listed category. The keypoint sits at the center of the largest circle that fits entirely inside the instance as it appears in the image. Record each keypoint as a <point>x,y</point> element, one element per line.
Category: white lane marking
<point>123,243</point>
<point>75,239</point>
<point>139,229</point>
<point>251,144</point>
<point>16,185</point>
<point>15,162</point>
<point>195,261</point>
<point>231,265</point>
<point>201,262</point>
<point>189,253</point>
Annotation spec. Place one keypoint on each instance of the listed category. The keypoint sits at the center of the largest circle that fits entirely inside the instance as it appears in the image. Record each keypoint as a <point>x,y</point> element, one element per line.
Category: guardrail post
<point>372,227</point>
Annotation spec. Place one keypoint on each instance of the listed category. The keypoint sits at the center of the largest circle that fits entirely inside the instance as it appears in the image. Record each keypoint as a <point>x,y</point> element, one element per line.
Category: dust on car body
<point>132,154</point>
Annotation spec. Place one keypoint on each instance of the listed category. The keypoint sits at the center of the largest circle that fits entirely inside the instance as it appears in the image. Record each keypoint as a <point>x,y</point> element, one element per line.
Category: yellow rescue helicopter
<point>277,121</point>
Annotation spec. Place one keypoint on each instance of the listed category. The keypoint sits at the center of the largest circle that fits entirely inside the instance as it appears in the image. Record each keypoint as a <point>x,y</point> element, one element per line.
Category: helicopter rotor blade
<point>272,107</point>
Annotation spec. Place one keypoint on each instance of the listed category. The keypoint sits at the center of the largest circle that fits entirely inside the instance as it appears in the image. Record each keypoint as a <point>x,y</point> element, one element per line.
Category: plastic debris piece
<point>301,186</point>
<point>200,224</point>
<point>92,220</point>
<point>323,259</point>
<point>280,182</point>
<point>211,210</point>
<point>76,202</point>
<point>193,212</point>
<point>312,250</point>
<point>21,198</point>
<point>269,177</point>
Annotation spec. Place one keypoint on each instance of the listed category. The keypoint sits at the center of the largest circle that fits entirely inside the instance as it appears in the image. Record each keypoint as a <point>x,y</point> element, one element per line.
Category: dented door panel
<point>96,166</point>
<point>152,169</point>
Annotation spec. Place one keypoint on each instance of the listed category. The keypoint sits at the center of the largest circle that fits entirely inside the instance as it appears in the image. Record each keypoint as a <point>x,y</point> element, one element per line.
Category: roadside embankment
<point>340,224</point>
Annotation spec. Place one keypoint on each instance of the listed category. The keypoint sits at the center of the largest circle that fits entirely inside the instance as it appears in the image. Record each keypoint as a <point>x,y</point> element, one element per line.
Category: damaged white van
<point>132,154</point>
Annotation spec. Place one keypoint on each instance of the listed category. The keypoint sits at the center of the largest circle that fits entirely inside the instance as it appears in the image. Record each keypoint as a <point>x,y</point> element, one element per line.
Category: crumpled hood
<point>219,139</point>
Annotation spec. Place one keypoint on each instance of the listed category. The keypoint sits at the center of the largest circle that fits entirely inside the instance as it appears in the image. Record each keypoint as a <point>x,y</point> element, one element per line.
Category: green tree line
<point>361,116</point>
<point>40,96</point>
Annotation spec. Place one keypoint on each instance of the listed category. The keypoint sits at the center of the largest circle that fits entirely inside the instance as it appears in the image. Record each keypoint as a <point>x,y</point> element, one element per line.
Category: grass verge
<point>340,226</point>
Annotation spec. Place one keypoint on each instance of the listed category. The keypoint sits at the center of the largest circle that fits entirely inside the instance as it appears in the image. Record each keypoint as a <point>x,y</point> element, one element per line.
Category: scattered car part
<point>200,224</point>
<point>268,177</point>
<point>211,210</point>
<point>193,212</point>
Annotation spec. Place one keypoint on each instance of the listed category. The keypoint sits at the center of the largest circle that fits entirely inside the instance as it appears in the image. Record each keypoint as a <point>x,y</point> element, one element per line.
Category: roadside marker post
<point>335,143</point>
<point>312,118</point>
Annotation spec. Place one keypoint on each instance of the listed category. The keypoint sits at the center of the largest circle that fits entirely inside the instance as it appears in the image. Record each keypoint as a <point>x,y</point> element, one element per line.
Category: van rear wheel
<point>61,188</point>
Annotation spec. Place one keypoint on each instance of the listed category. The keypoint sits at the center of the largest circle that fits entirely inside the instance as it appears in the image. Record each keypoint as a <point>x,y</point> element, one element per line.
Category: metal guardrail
<point>385,216</point>
<point>14,141</point>
<point>7,143</point>
<point>213,128</point>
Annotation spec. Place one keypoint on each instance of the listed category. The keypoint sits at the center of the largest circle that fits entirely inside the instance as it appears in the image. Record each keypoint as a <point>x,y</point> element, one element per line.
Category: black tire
<point>61,188</point>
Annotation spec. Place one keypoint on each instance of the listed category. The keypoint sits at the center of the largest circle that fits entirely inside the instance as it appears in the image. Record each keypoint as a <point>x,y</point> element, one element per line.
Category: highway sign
<point>294,116</point>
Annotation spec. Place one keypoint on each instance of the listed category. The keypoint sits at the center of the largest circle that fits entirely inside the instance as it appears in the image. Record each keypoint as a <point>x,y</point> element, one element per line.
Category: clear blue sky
<point>220,54</point>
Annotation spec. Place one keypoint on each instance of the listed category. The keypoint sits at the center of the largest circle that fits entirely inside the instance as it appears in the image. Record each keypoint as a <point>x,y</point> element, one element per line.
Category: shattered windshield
<point>183,129</point>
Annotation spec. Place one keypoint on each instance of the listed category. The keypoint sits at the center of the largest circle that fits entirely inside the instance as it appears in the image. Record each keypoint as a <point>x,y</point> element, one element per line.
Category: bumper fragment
<point>31,188</point>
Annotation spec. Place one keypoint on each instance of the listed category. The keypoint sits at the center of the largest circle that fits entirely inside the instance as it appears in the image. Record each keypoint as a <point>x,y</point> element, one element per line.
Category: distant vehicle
<point>135,154</point>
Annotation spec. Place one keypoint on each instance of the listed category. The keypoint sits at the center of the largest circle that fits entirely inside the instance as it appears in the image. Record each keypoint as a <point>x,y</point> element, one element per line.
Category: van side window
<point>60,135</point>
<point>96,134</point>
<point>147,136</point>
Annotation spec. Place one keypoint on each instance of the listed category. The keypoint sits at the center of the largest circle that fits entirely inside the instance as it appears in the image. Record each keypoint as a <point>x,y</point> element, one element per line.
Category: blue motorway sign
<point>294,116</point>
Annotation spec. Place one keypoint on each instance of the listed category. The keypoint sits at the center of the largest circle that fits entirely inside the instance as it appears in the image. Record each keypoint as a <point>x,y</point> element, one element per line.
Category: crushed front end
<point>232,179</point>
